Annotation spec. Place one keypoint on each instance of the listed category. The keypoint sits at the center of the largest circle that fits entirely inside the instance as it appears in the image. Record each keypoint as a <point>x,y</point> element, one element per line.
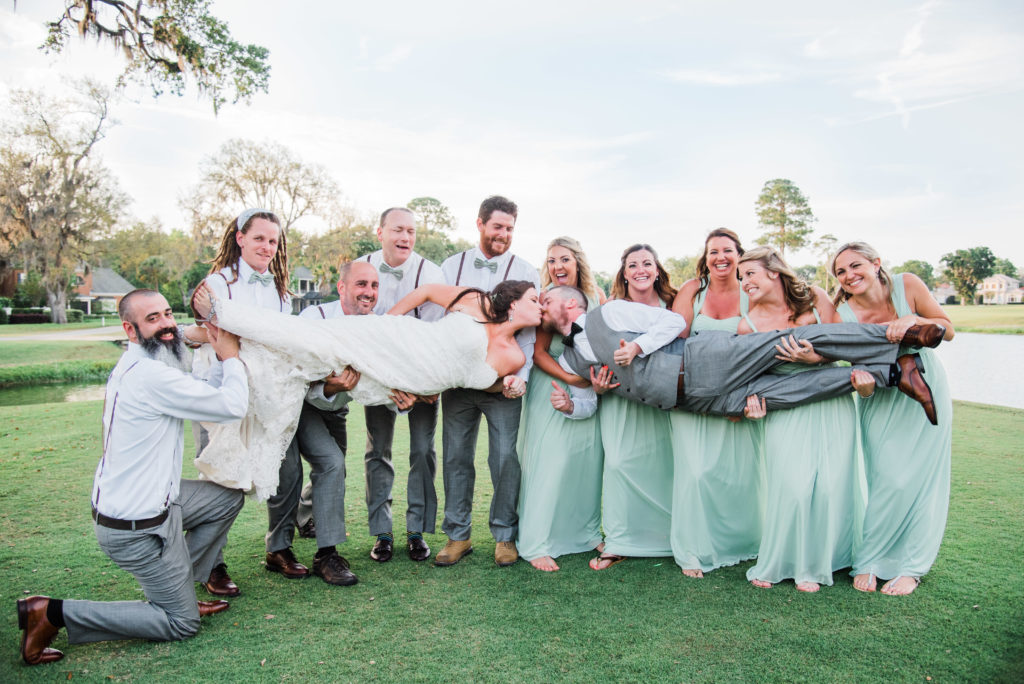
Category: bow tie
<point>396,272</point>
<point>570,339</point>
<point>263,279</point>
<point>489,265</point>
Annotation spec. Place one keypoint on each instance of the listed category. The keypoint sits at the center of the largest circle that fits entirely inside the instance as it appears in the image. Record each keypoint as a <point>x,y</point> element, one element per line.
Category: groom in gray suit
<point>140,504</point>
<point>715,372</point>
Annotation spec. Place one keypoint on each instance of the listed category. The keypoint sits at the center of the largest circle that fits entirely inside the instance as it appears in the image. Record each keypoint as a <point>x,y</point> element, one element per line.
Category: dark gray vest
<point>652,380</point>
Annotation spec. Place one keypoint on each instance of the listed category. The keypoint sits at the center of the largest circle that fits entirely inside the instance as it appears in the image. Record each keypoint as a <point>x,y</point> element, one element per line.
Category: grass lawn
<point>31,363</point>
<point>404,621</point>
<point>35,328</point>
<point>989,318</point>
<point>18,353</point>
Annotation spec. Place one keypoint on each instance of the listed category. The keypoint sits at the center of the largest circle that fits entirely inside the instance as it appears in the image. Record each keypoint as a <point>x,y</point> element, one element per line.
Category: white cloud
<point>710,77</point>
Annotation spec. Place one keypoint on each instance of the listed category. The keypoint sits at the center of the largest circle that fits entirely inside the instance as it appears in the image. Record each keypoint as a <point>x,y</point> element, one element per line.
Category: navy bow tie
<point>569,340</point>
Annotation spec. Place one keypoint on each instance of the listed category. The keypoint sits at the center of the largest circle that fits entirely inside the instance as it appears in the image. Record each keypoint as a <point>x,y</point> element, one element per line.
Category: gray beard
<point>173,353</point>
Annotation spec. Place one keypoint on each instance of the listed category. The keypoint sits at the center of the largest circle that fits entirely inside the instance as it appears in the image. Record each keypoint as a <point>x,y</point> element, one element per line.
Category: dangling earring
<point>511,314</point>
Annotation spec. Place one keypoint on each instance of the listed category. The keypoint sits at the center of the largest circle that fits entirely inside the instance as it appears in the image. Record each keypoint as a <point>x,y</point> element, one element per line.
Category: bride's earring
<point>511,314</point>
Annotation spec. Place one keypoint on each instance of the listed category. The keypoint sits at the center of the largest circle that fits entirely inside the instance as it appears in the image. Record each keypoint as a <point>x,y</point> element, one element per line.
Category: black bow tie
<point>569,340</point>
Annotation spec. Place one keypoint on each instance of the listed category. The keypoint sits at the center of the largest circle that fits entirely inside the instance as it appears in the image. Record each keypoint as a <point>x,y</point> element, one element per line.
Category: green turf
<point>38,328</point>
<point>990,318</point>
<point>16,353</point>
<point>641,620</point>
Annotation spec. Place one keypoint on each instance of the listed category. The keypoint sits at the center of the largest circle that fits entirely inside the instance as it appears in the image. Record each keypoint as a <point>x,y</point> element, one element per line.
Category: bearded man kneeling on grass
<point>140,504</point>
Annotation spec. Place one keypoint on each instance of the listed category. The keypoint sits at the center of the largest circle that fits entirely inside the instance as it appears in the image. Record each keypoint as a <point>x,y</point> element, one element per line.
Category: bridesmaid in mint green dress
<point>810,452</point>
<point>716,492</point>
<point>561,459</point>
<point>906,458</point>
<point>637,486</point>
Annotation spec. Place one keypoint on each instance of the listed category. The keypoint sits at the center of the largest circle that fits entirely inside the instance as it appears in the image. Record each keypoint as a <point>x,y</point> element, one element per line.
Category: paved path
<point>111,332</point>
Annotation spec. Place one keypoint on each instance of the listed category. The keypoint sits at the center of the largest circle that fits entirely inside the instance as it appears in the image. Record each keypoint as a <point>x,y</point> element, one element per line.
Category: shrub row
<point>62,371</point>
<point>37,316</point>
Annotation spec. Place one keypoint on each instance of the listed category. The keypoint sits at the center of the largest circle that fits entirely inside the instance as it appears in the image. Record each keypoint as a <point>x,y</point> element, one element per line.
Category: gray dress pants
<point>318,446</point>
<point>722,369</point>
<point>421,513</point>
<point>166,564</point>
<point>461,411</point>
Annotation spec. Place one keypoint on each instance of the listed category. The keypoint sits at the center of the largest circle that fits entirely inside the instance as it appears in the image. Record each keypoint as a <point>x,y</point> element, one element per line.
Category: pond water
<point>55,393</point>
<point>987,369</point>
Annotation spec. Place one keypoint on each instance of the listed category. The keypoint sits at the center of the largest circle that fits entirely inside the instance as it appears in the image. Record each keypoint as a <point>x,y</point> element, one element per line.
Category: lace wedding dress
<point>283,354</point>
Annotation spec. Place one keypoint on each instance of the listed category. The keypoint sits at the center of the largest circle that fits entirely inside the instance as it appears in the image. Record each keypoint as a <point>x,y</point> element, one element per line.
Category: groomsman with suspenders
<point>401,271</point>
<point>483,267</point>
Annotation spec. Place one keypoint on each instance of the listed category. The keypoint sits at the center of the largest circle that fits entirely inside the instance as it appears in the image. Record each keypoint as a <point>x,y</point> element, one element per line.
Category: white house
<point>1000,289</point>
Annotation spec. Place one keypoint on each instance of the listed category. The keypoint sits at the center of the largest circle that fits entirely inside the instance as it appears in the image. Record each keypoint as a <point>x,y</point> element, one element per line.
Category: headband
<point>244,217</point>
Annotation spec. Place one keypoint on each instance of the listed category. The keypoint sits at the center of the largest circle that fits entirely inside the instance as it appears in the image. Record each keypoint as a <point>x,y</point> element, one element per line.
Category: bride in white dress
<point>473,347</point>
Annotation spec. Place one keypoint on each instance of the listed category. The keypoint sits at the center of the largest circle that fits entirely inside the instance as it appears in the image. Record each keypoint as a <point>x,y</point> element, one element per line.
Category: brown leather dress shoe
<point>284,562</point>
<point>418,549</point>
<point>334,570</point>
<point>453,552</point>
<point>211,607</point>
<point>307,530</point>
<point>913,384</point>
<point>38,632</point>
<point>220,584</point>
<point>505,554</point>
<point>924,335</point>
<point>383,549</point>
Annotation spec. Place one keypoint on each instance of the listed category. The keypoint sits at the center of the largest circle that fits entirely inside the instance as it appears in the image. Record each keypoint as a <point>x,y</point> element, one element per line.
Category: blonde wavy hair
<point>584,276</point>
<point>869,253</point>
<point>798,294</point>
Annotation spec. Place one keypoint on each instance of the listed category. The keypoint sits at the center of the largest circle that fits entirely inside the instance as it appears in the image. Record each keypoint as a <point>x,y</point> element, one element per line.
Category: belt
<point>118,524</point>
<point>680,386</point>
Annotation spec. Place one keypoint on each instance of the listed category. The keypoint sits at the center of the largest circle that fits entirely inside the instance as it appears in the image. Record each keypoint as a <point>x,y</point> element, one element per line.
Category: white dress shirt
<point>486,281</point>
<point>392,289</point>
<point>656,326</point>
<point>263,296</point>
<point>146,404</point>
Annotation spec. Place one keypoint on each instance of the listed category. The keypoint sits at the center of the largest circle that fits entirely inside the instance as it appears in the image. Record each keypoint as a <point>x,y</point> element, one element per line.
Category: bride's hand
<point>202,302</point>
<point>513,387</point>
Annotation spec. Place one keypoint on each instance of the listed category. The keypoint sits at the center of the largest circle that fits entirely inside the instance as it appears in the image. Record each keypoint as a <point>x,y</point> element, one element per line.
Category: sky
<point>611,122</point>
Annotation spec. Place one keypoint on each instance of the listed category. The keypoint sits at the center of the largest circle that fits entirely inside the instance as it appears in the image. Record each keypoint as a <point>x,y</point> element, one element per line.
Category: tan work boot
<point>453,552</point>
<point>505,554</point>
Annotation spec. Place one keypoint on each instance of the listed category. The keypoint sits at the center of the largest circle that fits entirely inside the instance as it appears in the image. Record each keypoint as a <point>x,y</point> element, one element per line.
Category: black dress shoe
<point>284,562</point>
<point>211,607</point>
<point>38,632</point>
<point>219,584</point>
<point>913,384</point>
<point>308,529</point>
<point>382,550</point>
<point>418,549</point>
<point>334,570</point>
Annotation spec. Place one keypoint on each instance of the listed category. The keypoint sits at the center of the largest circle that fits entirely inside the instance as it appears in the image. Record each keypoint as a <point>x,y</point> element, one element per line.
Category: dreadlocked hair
<point>229,253</point>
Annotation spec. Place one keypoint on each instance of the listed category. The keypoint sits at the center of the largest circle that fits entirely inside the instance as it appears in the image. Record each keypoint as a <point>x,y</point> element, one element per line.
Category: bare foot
<point>761,584</point>
<point>695,573</point>
<point>605,561</point>
<point>864,582</point>
<point>545,563</point>
<point>808,587</point>
<point>599,548</point>
<point>900,586</point>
